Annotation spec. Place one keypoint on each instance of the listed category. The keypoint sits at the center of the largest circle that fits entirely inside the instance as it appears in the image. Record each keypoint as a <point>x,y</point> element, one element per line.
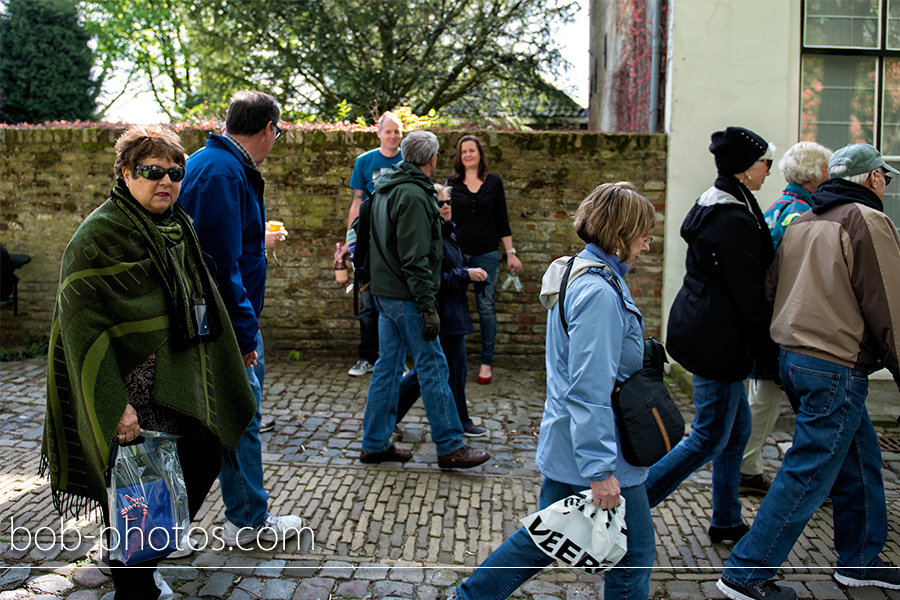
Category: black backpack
<point>361,274</point>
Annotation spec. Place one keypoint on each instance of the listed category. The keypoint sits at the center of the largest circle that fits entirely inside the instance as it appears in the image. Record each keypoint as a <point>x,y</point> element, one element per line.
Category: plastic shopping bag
<point>148,505</point>
<point>579,534</point>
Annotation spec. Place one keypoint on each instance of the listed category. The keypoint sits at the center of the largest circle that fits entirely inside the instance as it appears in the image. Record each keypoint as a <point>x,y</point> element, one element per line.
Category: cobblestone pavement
<point>380,532</point>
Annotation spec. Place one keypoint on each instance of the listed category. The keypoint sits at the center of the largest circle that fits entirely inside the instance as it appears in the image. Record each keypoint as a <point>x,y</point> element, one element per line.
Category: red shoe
<point>486,380</point>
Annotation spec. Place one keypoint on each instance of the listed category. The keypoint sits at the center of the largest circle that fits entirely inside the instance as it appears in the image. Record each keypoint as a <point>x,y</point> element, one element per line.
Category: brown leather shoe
<point>464,458</point>
<point>391,454</point>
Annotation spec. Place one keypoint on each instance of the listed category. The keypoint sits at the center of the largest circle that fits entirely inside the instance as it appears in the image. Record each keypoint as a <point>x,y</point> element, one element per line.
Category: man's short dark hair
<point>250,112</point>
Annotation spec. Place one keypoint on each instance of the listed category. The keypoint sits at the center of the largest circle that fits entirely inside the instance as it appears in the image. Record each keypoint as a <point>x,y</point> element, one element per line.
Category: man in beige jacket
<point>837,319</point>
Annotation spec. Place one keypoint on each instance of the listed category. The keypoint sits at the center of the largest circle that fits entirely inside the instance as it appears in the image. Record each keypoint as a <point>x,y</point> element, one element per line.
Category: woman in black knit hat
<point>719,325</point>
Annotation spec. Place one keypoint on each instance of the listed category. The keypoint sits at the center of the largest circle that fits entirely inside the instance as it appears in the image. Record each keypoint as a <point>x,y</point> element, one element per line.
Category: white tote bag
<point>579,534</point>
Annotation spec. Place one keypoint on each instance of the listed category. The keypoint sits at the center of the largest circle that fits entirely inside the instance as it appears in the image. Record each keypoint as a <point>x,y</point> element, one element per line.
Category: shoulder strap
<point>562,294</point>
<point>608,276</point>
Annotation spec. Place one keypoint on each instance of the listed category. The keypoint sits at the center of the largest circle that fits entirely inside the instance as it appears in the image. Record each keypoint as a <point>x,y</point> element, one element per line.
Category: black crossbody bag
<point>650,424</point>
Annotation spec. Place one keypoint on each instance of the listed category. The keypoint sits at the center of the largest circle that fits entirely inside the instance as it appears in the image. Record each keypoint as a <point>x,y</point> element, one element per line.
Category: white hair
<point>859,178</point>
<point>802,163</point>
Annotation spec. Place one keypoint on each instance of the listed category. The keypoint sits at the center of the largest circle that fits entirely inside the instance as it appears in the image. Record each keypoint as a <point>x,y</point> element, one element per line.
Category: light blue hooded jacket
<point>579,441</point>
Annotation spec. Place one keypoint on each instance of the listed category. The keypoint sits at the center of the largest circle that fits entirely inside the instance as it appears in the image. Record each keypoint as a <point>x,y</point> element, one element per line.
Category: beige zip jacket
<point>835,282</point>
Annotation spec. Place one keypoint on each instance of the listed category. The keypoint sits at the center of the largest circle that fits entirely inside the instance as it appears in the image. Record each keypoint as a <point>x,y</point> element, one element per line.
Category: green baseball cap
<point>856,159</point>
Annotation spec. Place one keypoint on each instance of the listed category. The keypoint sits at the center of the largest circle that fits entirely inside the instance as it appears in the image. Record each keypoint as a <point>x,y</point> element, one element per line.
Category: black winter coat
<point>719,322</point>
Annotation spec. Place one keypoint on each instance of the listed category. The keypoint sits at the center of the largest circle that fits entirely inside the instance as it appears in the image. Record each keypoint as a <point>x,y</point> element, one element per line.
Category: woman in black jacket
<point>479,205</point>
<point>456,322</point>
<point>719,324</point>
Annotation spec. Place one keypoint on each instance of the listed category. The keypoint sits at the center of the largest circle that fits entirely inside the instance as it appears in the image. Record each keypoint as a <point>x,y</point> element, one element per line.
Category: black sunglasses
<point>768,162</point>
<point>278,131</point>
<point>443,203</point>
<point>154,173</point>
<point>887,178</point>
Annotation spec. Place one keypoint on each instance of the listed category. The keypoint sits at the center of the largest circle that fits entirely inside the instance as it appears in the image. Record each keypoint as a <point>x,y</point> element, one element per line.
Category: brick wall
<point>52,178</point>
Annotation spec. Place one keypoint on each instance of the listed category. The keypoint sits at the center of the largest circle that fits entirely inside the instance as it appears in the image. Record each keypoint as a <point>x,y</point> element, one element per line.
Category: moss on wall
<point>51,179</point>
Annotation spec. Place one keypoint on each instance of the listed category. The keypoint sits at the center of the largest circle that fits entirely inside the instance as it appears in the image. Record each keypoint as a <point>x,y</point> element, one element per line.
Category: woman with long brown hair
<point>482,224</point>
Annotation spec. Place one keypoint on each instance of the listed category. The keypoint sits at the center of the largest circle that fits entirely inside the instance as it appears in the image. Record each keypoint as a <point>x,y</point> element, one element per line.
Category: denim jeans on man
<point>246,502</point>
<point>719,432</point>
<point>495,579</point>
<point>454,347</point>
<point>400,327</point>
<point>835,450</point>
<point>368,329</point>
<point>485,302</point>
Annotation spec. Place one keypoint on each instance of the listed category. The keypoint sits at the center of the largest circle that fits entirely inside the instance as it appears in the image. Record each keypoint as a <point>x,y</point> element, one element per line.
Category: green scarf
<point>122,298</point>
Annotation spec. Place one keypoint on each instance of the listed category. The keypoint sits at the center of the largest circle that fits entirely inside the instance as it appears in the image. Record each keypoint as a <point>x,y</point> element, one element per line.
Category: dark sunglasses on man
<point>154,173</point>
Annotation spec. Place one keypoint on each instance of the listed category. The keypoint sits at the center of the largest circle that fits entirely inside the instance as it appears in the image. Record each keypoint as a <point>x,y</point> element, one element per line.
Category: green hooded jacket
<point>406,250</point>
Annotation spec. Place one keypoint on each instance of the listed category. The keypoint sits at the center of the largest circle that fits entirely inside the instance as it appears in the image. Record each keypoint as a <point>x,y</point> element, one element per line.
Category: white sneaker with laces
<point>279,529</point>
<point>274,529</point>
<point>361,368</point>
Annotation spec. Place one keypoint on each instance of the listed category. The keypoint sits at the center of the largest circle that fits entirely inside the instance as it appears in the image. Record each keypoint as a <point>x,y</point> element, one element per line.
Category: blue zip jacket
<point>795,202</point>
<point>579,440</point>
<point>225,199</point>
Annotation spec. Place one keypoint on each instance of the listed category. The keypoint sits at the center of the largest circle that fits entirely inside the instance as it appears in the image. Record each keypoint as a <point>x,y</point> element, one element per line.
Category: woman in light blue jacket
<point>579,445</point>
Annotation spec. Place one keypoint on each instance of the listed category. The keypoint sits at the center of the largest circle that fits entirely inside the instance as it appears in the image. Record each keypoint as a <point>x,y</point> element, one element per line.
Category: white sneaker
<point>279,529</point>
<point>361,368</point>
<point>165,592</point>
<point>274,529</point>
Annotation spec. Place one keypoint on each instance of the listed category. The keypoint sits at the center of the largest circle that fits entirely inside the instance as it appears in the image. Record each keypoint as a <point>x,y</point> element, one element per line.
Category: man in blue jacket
<point>223,193</point>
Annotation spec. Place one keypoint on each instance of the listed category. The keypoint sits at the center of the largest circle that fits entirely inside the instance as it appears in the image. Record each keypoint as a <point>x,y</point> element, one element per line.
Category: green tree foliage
<point>45,63</point>
<point>315,54</point>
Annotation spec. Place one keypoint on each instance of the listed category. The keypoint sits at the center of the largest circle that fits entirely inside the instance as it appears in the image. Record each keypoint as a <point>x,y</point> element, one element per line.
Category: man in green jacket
<point>405,262</point>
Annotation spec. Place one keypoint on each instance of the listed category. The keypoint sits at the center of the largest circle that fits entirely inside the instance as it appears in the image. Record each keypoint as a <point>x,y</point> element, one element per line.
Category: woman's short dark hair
<point>250,112</point>
<point>147,141</point>
<point>459,171</point>
<point>613,216</point>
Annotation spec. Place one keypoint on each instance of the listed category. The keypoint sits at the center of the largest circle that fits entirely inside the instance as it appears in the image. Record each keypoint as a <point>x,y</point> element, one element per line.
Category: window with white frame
<point>850,88</point>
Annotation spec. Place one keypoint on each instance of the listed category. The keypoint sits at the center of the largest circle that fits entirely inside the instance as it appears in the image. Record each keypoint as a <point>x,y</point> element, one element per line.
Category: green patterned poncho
<point>122,297</point>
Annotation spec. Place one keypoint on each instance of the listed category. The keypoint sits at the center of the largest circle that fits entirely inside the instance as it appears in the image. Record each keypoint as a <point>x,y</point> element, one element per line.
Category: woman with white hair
<point>804,166</point>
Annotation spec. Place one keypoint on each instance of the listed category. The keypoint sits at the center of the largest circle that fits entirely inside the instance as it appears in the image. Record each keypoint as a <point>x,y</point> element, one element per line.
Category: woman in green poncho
<point>130,350</point>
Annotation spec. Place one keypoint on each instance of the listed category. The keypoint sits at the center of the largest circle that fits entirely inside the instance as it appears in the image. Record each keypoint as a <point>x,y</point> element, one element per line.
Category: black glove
<point>432,325</point>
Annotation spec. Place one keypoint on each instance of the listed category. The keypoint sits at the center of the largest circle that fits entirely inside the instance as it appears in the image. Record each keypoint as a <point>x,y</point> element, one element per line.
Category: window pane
<point>892,195</point>
<point>838,100</point>
<point>890,128</point>
<point>893,32</point>
<point>842,23</point>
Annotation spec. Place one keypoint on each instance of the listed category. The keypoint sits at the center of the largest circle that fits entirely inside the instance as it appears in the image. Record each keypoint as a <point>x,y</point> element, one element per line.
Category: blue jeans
<point>246,502</point>
<point>835,450</point>
<point>628,580</point>
<point>400,327</point>
<point>454,347</point>
<point>719,433</point>
<point>368,329</point>
<point>487,311</point>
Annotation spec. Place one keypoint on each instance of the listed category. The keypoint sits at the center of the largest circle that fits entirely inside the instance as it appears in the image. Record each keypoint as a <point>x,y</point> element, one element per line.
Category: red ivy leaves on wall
<point>633,77</point>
